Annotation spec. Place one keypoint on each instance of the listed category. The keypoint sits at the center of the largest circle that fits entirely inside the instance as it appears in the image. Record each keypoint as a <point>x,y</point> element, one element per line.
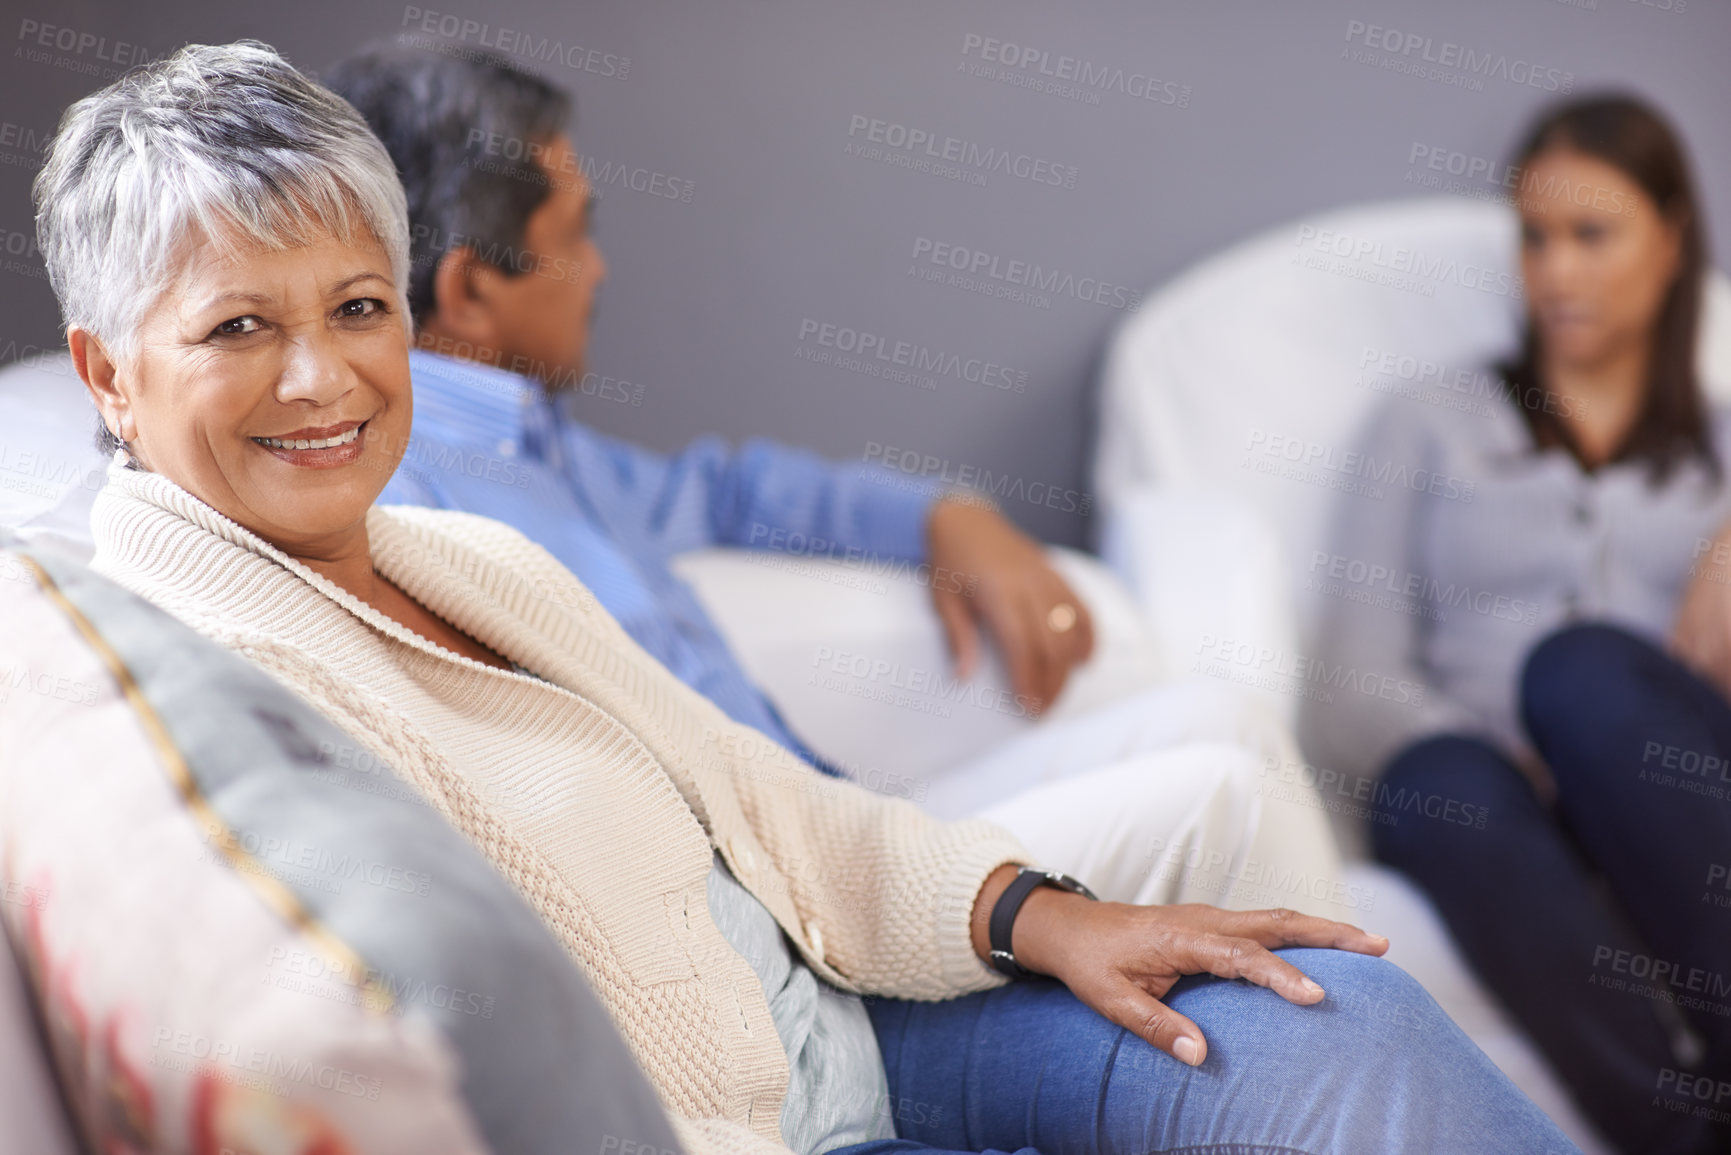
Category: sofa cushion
<point>246,928</point>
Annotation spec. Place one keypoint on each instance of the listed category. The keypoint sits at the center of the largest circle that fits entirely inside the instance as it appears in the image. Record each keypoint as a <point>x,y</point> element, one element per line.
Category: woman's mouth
<point>1565,316</point>
<point>320,448</point>
<point>309,442</point>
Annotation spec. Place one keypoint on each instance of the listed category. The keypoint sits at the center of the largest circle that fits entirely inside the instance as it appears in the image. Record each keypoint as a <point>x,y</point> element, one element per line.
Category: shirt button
<point>814,938</point>
<point>506,449</point>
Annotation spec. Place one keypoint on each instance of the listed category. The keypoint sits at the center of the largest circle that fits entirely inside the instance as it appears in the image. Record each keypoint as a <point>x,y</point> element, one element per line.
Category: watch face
<point>1065,882</point>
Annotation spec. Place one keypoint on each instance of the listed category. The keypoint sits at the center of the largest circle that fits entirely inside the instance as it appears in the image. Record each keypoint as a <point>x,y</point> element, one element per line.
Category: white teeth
<point>314,443</point>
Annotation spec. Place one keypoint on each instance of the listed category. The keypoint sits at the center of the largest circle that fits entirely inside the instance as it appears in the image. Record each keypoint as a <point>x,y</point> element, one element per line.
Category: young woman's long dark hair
<point>1672,425</point>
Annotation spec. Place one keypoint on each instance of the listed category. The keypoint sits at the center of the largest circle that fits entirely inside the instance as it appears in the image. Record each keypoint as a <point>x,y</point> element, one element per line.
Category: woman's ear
<point>102,377</point>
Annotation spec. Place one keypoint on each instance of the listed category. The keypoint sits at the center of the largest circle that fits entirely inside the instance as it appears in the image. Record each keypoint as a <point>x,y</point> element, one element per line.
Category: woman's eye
<point>1590,234</point>
<point>361,307</point>
<point>1532,238</point>
<point>238,326</point>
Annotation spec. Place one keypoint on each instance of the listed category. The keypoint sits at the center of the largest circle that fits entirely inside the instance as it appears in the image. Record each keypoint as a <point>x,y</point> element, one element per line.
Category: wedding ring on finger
<point>1061,618</point>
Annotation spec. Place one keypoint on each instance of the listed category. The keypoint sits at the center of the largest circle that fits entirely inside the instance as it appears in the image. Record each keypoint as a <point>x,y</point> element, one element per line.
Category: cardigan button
<point>743,857</point>
<point>814,937</point>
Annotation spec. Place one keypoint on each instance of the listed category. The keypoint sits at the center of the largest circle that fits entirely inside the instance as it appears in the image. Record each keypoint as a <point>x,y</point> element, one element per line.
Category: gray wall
<point>748,107</point>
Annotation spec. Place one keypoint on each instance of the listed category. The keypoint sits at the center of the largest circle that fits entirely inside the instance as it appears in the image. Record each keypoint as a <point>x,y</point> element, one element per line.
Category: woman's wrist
<point>1047,923</point>
<point>1039,929</point>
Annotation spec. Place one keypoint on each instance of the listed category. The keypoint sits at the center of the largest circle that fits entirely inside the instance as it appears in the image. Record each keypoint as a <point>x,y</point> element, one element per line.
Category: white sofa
<point>1196,547</point>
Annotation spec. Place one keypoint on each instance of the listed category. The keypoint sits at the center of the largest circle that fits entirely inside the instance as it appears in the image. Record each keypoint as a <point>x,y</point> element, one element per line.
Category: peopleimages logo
<point>1389,371</point>
<point>911,355</point>
<point>1068,76</point>
<point>1406,265</point>
<point>1500,174</point>
<point>22,147</point>
<point>940,473</point>
<point>38,39</point>
<point>536,161</point>
<point>956,151</point>
<point>1379,471</point>
<point>515,42</point>
<point>1298,674</point>
<point>991,268</point>
<point>1453,63</point>
<point>1413,593</point>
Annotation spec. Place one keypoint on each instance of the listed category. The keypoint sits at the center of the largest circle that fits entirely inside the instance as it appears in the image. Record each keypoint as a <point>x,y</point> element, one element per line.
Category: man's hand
<point>1701,637</point>
<point>1121,960</point>
<point>985,569</point>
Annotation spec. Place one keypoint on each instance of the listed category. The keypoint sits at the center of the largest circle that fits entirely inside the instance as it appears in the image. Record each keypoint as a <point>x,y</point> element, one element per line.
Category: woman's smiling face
<point>274,386</point>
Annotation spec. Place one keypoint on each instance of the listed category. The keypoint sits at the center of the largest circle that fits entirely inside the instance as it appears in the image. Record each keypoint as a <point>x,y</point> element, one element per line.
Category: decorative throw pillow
<point>247,935</point>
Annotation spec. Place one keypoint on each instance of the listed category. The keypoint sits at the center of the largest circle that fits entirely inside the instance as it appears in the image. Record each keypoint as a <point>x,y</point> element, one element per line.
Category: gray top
<point>1433,593</point>
<point>837,1092</point>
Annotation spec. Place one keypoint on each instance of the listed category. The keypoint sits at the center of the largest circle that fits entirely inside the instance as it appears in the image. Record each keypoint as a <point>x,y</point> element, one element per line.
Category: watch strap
<point>1002,959</point>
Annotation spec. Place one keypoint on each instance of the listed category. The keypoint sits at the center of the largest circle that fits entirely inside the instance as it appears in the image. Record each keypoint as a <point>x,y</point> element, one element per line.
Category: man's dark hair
<point>463,132</point>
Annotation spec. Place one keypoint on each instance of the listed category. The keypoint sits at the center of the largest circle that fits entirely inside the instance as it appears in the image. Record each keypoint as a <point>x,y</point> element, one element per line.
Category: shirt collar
<point>469,403</point>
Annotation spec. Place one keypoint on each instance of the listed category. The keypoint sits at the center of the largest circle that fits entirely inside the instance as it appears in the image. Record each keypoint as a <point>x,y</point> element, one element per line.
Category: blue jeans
<point>1576,914</point>
<point>1375,1068</point>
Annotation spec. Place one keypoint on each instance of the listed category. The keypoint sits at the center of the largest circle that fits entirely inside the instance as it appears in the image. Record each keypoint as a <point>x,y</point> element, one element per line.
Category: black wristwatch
<point>1009,904</point>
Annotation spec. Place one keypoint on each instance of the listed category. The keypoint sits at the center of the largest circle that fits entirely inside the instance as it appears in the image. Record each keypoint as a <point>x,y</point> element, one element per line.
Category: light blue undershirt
<point>837,1093</point>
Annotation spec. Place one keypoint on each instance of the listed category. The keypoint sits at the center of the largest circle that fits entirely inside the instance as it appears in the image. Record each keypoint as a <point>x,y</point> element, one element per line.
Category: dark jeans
<point>1603,921</point>
<point>1375,1068</point>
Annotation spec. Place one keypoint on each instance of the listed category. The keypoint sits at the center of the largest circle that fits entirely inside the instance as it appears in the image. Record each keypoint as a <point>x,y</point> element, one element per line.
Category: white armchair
<point>1294,335</point>
<point>1282,344</point>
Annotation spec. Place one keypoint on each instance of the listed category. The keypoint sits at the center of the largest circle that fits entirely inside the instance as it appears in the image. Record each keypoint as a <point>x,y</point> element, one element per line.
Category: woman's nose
<point>1563,265</point>
<point>314,369</point>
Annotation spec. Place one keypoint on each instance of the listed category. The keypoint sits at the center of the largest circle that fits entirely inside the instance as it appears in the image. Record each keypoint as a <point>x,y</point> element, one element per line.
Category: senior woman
<point>229,246</point>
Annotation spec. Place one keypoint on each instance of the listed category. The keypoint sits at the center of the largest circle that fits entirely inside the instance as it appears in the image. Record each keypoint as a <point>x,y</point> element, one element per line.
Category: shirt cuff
<point>894,511</point>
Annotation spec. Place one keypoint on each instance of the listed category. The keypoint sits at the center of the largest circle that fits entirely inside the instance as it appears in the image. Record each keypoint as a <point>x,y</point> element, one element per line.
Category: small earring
<point>121,457</point>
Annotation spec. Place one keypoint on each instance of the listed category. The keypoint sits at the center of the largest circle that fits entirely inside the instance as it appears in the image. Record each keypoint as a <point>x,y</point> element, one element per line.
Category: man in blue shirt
<point>1156,799</point>
<point>502,289</point>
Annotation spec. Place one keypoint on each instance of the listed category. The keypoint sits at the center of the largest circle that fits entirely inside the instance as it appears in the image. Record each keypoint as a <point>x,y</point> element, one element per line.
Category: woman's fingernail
<point>1310,988</point>
<point>1185,1049</point>
<point>1379,938</point>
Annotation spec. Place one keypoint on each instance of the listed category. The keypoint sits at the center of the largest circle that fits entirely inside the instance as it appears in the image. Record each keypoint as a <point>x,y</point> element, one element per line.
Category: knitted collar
<point>134,538</point>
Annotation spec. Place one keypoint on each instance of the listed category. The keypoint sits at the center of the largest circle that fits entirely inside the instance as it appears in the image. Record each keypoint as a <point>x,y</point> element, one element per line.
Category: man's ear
<point>464,307</point>
<point>101,375</point>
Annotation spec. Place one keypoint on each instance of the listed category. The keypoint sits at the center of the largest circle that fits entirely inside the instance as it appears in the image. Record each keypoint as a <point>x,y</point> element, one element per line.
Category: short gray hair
<point>228,141</point>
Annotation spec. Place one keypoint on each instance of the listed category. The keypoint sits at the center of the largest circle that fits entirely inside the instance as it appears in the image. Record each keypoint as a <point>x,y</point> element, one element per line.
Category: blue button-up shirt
<point>491,442</point>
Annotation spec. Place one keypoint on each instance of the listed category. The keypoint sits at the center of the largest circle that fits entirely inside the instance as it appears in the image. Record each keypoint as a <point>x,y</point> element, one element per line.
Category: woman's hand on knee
<point>1121,960</point>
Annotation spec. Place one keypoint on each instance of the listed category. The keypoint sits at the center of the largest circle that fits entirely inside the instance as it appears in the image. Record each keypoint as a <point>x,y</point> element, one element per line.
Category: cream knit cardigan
<point>598,792</point>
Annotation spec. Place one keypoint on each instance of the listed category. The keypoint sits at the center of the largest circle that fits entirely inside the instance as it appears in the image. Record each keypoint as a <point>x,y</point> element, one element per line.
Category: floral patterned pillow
<point>246,935</point>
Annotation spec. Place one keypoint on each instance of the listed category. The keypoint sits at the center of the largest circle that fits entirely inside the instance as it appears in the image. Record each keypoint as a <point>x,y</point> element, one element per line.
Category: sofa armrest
<point>856,660</point>
<point>1206,570</point>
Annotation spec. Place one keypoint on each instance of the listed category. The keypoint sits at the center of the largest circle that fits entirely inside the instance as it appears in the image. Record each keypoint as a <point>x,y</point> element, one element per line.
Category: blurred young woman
<point>1561,790</point>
